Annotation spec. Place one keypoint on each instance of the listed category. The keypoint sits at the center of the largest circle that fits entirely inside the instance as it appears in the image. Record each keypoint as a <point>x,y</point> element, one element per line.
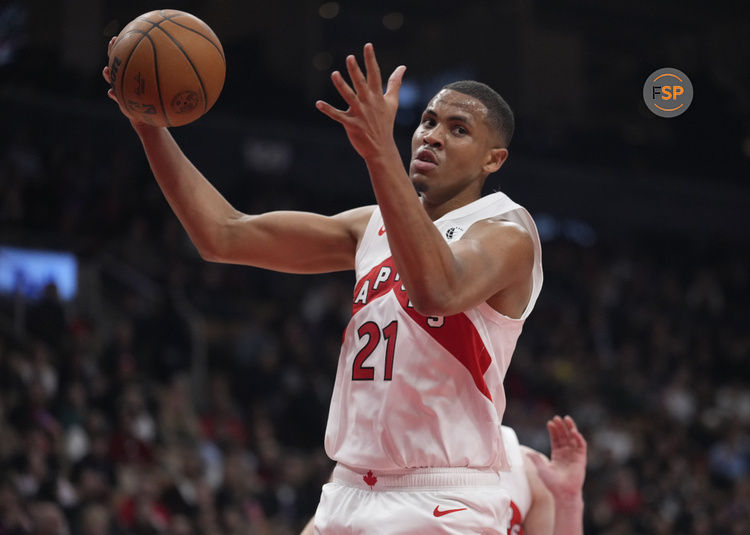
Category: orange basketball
<point>167,67</point>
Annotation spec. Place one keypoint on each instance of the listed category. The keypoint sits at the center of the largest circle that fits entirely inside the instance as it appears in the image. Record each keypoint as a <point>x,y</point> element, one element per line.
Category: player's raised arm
<point>454,150</point>
<point>297,242</point>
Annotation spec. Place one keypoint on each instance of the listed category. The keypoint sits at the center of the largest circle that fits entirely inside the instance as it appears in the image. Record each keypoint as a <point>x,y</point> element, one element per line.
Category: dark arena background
<point>144,390</point>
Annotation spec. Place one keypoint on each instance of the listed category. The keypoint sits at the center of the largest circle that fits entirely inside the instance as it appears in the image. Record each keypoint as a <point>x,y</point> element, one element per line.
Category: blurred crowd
<point>175,396</point>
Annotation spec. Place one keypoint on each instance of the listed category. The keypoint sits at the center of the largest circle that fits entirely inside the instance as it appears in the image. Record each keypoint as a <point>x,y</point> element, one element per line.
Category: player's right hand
<point>107,74</point>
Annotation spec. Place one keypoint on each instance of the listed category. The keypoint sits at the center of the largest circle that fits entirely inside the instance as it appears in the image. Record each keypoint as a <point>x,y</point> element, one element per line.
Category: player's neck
<point>437,209</point>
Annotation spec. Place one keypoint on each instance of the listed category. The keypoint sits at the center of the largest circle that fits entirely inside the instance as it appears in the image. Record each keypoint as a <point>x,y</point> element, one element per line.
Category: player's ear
<point>495,160</point>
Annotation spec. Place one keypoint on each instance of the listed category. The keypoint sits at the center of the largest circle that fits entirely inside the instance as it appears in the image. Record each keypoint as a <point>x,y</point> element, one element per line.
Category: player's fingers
<point>106,75</point>
<point>554,440</point>
<point>133,119</point>
<point>556,434</point>
<point>356,76</point>
<point>344,89</point>
<point>575,434</point>
<point>570,423</point>
<point>569,427</point>
<point>394,81</point>
<point>111,44</point>
<point>374,79</point>
<point>334,113</point>
<point>111,94</point>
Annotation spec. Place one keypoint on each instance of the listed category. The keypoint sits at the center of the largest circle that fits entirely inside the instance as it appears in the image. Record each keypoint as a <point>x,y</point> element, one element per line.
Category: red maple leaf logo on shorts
<point>370,479</point>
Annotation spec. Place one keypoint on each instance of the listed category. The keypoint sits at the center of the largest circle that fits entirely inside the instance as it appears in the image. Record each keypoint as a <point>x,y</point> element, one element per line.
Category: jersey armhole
<point>376,220</point>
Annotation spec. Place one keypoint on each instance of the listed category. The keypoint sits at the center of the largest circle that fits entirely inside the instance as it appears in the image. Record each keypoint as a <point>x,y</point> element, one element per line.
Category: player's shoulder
<point>503,225</point>
<point>360,212</point>
<point>356,219</point>
<point>502,233</point>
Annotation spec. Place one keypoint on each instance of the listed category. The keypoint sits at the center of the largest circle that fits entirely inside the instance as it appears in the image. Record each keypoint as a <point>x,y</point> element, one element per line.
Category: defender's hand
<point>563,474</point>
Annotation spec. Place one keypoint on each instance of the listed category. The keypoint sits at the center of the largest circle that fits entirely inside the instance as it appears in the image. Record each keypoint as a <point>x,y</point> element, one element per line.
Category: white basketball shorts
<point>429,501</point>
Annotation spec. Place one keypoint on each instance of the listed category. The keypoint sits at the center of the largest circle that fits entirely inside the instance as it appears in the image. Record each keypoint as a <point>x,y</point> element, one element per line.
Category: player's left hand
<point>371,114</point>
<point>563,474</point>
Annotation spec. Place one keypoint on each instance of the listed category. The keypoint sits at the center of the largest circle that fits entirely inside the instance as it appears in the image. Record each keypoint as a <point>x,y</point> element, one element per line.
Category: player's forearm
<point>569,515</point>
<point>201,209</point>
<point>423,259</point>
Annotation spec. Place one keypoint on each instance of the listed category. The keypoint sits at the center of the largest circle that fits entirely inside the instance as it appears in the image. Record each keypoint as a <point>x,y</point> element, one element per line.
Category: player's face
<point>452,148</point>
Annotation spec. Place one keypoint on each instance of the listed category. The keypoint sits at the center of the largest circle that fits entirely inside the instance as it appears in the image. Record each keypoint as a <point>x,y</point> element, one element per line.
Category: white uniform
<point>515,483</point>
<point>417,392</point>
<point>348,493</point>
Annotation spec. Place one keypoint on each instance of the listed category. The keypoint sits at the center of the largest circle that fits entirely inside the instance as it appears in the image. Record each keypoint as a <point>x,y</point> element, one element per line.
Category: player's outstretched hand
<point>371,114</point>
<point>107,74</point>
<point>563,474</point>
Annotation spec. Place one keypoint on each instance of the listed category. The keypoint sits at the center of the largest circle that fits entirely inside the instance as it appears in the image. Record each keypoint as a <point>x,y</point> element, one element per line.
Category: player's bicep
<point>296,242</point>
<point>496,252</point>
<point>491,257</point>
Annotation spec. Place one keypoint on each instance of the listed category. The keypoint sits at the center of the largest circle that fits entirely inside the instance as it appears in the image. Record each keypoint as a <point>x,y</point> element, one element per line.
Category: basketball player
<point>545,496</point>
<point>444,282</point>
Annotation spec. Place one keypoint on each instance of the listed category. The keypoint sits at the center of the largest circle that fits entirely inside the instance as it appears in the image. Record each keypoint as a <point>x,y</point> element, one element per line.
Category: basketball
<point>167,67</point>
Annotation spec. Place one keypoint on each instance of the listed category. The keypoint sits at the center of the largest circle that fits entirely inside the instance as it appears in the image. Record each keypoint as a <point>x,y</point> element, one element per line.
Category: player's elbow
<point>216,242</point>
<point>431,303</point>
<point>209,254</point>
<point>210,249</point>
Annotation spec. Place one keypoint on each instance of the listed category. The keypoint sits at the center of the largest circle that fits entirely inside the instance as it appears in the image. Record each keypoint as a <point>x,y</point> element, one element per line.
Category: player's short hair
<point>499,114</point>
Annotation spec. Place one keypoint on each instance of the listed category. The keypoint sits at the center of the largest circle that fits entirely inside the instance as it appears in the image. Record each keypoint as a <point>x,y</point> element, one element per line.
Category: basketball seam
<point>218,48</point>
<point>179,46</point>
<point>156,78</point>
<point>180,14</point>
<point>187,57</point>
<point>156,70</point>
<point>170,17</point>
<point>127,61</point>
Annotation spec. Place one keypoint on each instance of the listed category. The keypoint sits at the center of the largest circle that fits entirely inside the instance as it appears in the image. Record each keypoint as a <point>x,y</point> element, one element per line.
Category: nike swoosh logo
<point>381,231</point>
<point>437,512</point>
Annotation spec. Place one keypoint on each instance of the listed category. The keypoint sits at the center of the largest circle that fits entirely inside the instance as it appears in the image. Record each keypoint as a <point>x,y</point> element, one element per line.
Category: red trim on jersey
<point>460,338</point>
<point>371,279</point>
<point>516,520</point>
<point>457,334</point>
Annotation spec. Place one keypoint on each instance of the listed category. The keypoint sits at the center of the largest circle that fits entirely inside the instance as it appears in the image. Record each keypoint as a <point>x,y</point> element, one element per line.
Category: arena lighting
<point>29,271</point>
<point>329,10</point>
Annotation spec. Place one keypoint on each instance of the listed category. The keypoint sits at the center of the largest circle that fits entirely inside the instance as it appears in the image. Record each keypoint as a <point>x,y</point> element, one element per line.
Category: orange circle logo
<point>668,92</point>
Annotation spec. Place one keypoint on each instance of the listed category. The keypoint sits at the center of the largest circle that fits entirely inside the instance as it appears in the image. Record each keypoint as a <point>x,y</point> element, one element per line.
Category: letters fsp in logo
<point>668,92</point>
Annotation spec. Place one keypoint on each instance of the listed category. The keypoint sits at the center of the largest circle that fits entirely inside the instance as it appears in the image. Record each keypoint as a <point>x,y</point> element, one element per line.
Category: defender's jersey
<point>515,483</point>
<point>414,391</point>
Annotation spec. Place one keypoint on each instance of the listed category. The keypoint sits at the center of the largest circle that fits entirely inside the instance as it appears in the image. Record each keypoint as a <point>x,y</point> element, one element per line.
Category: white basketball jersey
<point>515,483</point>
<point>414,391</point>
